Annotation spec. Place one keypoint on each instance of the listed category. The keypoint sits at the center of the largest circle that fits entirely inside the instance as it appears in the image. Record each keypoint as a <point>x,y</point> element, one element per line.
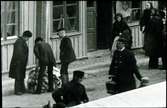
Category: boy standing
<point>67,54</point>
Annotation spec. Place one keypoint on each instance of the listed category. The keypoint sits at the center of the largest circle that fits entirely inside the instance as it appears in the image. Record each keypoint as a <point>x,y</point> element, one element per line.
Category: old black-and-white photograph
<point>79,54</point>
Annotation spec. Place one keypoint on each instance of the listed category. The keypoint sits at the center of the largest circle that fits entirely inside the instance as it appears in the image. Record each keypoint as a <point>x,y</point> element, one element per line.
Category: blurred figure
<point>123,67</point>
<point>73,92</point>
<point>19,62</point>
<point>67,54</point>
<point>162,13</point>
<point>153,41</point>
<point>146,16</point>
<point>45,56</point>
<point>120,28</point>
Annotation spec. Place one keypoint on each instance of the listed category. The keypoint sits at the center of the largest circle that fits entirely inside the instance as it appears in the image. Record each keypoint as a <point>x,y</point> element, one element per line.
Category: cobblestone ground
<point>95,85</point>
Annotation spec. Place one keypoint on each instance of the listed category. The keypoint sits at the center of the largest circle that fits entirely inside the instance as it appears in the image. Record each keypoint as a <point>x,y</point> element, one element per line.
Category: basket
<point>111,87</point>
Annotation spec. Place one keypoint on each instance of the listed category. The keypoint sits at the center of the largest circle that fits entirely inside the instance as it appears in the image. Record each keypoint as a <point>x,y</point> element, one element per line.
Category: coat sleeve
<point>57,94</point>
<point>85,97</point>
<point>52,56</point>
<point>142,19</point>
<point>37,51</point>
<point>135,67</point>
<point>126,27</point>
<point>111,70</point>
<point>115,31</point>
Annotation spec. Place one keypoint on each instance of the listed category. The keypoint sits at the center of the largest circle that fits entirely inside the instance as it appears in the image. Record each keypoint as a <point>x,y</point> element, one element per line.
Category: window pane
<point>129,9</point>
<point>135,4</point>
<point>11,18</point>
<point>57,3</point>
<point>11,30</point>
<point>2,16</point>
<point>55,26</point>
<point>72,24</point>
<point>135,14</point>
<point>71,11</point>
<point>71,2</point>
<point>57,11</point>
<point>90,3</point>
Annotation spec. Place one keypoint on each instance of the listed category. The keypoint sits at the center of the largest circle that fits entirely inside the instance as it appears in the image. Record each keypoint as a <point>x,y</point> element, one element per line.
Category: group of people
<point>45,59</point>
<point>123,65</point>
<point>152,24</point>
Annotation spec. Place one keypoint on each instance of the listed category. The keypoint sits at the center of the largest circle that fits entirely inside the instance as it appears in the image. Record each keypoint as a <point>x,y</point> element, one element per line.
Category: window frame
<point>132,9</point>
<point>65,5</point>
<point>4,36</point>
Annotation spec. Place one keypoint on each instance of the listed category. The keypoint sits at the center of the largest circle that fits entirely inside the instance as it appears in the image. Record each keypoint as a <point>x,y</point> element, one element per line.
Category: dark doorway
<point>104,24</point>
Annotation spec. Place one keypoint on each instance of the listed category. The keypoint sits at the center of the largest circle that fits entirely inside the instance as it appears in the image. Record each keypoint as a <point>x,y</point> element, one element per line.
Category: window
<point>136,11</point>
<point>67,12</point>
<point>130,10</point>
<point>9,19</point>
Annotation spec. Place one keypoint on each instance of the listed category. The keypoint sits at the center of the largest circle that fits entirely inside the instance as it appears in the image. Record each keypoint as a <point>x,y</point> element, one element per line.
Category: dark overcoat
<point>19,59</point>
<point>44,53</point>
<point>153,41</point>
<point>145,18</point>
<point>67,53</point>
<point>123,68</point>
<point>73,94</point>
<point>122,27</point>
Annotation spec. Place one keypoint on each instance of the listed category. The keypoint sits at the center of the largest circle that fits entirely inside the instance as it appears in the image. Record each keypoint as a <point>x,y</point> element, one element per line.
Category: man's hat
<point>78,73</point>
<point>27,33</point>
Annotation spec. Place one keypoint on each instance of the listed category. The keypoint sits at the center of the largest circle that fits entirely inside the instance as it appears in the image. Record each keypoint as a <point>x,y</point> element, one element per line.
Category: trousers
<point>19,85</point>
<point>64,73</point>
<point>50,77</point>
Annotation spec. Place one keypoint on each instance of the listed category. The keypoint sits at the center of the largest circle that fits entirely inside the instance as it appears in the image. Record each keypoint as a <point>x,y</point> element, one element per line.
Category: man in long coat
<point>123,67</point>
<point>153,41</point>
<point>45,56</point>
<point>145,16</point>
<point>67,54</point>
<point>19,62</point>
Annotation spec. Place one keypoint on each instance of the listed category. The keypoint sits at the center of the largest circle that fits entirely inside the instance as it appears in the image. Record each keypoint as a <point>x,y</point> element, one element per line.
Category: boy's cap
<point>78,73</point>
<point>27,33</point>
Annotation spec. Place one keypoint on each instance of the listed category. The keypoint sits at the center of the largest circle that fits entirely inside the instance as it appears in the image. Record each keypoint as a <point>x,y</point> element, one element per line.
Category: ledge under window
<point>9,40</point>
<point>54,35</point>
<point>133,23</point>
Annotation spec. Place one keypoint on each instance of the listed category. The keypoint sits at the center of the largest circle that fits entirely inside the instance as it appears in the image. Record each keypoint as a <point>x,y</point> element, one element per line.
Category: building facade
<point>88,24</point>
